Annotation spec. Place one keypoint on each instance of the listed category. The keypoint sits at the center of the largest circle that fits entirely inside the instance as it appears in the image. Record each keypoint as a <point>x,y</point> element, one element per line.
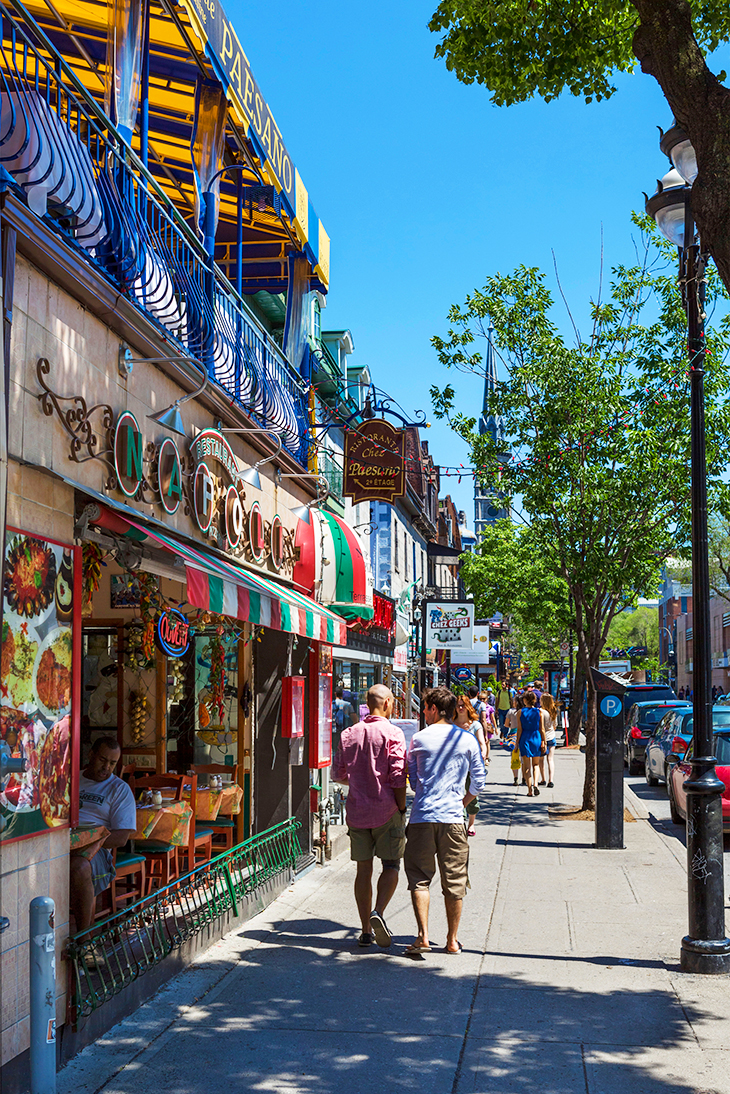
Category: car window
<point>721,718</point>
<point>652,716</point>
<point>722,750</point>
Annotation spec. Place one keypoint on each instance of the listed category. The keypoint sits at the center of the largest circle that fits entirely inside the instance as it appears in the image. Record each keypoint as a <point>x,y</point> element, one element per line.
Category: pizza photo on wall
<point>36,673</point>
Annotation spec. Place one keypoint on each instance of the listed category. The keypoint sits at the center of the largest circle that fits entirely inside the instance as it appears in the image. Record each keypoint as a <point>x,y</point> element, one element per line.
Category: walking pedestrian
<point>681,693</point>
<point>440,757</point>
<point>466,719</point>
<point>371,760</point>
<point>530,741</point>
<point>547,760</point>
<point>510,732</point>
<point>490,725</point>
<point>504,701</point>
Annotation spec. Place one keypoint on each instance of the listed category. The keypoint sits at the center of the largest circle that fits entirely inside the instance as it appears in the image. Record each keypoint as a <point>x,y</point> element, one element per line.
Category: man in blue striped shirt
<point>440,758</point>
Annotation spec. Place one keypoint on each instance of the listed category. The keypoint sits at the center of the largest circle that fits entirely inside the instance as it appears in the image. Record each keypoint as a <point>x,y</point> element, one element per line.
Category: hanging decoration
<point>139,708</point>
<point>92,561</point>
<point>217,675</point>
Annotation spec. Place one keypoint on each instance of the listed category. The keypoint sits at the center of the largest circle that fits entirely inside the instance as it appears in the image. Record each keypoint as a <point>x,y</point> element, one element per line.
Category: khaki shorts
<point>388,842</point>
<point>447,843</point>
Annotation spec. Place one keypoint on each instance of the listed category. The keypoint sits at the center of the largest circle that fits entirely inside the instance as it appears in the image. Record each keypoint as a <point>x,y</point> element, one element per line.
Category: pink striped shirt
<point>371,759</point>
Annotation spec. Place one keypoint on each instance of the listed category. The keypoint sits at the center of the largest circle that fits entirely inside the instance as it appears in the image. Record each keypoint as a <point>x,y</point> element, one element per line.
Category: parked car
<point>641,721</point>
<point>680,771</point>
<point>646,693</point>
<point>672,737</point>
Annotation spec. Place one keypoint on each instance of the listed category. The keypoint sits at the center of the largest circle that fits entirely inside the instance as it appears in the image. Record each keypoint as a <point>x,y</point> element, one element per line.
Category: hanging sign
<point>173,633</point>
<point>374,462</point>
<point>449,626</point>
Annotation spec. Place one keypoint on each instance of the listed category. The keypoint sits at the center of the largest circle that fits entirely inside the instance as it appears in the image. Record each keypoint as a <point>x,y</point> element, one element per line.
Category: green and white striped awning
<point>216,585</point>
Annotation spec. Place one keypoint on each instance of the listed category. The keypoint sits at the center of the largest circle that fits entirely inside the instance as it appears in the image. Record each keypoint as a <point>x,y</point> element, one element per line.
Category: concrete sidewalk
<point>569,982</point>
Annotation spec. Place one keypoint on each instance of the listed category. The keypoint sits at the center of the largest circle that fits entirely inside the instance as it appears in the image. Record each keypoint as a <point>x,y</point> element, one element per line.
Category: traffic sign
<point>564,647</point>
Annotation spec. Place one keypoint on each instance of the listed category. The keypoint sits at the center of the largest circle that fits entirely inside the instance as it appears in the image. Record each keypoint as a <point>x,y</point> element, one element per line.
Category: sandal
<point>415,950</point>
<point>454,953</point>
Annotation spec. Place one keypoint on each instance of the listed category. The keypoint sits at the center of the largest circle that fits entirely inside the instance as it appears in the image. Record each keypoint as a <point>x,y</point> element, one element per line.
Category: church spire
<point>487,422</point>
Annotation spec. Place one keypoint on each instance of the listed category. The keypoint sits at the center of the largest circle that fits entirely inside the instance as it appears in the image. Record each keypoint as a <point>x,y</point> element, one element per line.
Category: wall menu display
<point>36,682</point>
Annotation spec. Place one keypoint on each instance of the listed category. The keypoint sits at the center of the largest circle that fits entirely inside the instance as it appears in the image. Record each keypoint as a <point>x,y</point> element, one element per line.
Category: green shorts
<point>388,842</point>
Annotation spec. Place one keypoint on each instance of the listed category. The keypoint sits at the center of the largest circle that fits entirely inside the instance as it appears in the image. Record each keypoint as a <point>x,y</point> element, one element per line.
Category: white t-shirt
<point>110,803</point>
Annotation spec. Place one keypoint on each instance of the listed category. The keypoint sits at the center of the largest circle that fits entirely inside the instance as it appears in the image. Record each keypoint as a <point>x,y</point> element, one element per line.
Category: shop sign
<point>173,633</point>
<point>209,484</point>
<point>374,462</point>
<point>128,454</point>
<point>462,674</point>
<point>449,625</point>
<point>380,630</point>
<point>169,475</point>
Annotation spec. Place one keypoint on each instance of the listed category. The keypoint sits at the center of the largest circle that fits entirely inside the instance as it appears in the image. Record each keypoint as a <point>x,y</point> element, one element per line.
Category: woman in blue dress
<point>530,740</point>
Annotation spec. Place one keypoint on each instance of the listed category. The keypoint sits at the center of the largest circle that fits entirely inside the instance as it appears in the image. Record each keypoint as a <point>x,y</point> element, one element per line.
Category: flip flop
<point>454,953</point>
<point>414,950</point>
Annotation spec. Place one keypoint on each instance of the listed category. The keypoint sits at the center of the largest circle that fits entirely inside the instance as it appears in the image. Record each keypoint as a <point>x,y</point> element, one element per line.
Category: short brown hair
<point>441,698</point>
<point>529,698</point>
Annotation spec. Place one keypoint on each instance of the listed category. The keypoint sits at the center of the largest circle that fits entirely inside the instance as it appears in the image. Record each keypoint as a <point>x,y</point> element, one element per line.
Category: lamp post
<point>705,948</point>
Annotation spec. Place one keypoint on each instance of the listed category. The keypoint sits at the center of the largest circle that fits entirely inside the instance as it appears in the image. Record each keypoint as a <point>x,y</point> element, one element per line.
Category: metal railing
<point>69,162</point>
<point>111,955</point>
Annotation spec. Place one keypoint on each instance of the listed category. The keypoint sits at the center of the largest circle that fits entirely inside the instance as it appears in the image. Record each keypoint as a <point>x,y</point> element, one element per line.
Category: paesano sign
<point>374,462</point>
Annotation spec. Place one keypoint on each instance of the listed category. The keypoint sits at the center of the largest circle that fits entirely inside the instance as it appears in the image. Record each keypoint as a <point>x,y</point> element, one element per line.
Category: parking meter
<point>609,752</point>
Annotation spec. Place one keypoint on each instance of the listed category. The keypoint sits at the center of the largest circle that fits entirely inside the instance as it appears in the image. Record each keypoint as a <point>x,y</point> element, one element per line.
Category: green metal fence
<point>109,956</point>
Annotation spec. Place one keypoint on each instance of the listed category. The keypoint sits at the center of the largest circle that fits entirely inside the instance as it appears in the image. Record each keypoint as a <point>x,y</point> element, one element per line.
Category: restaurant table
<point>168,823</point>
<point>86,840</point>
<point>210,802</point>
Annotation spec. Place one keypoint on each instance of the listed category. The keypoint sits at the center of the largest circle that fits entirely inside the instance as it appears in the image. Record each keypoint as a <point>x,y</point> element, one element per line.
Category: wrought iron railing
<point>74,169</point>
<point>111,955</point>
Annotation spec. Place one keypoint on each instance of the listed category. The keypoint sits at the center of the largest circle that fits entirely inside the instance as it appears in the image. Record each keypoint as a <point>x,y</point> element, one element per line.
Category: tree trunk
<point>576,705</point>
<point>589,782</point>
<point>666,48</point>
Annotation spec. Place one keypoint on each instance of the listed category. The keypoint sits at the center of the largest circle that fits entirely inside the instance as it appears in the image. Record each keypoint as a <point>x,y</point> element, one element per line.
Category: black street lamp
<point>706,948</point>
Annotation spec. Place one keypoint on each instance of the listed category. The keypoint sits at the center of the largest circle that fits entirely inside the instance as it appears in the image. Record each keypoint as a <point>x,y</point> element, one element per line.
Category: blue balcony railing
<point>74,170</point>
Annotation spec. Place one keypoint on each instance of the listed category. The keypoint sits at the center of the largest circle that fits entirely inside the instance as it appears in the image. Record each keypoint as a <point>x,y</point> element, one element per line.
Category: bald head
<point>380,700</point>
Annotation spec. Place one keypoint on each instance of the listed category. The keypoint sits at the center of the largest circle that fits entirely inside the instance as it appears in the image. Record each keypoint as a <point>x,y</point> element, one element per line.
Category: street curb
<point>634,804</point>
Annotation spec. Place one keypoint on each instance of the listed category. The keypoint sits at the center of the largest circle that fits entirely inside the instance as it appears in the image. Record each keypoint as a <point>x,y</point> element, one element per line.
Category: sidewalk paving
<point>569,982</point>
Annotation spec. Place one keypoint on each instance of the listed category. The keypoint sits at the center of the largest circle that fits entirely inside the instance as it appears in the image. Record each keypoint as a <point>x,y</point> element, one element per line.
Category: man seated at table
<point>104,799</point>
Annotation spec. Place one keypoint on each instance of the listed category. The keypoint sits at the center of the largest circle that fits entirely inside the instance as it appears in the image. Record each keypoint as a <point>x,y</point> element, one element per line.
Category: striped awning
<point>331,562</point>
<point>216,585</point>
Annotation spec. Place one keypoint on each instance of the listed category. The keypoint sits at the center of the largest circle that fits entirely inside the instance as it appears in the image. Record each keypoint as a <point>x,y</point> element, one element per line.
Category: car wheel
<point>634,765</point>
<point>651,781</point>
<point>674,813</point>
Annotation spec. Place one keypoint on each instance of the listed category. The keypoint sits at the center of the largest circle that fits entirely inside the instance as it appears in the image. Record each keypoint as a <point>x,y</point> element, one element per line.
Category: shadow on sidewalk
<point>294,1018</point>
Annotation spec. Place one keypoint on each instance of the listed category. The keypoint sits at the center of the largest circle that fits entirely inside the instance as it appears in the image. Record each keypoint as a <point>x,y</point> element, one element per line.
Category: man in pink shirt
<point>371,760</point>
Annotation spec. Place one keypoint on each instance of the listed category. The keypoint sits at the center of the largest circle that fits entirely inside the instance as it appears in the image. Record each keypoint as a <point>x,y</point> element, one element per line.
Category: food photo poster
<point>36,683</point>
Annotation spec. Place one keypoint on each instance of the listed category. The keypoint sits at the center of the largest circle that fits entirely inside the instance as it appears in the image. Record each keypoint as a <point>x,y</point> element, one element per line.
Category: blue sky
<point>425,188</point>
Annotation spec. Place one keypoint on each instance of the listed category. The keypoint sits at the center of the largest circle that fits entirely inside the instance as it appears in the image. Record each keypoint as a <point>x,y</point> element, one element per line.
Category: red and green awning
<point>331,564</point>
<point>216,585</point>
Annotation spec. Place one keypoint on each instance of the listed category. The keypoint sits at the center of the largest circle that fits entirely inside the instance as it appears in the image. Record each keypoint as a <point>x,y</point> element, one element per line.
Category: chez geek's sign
<point>212,492</point>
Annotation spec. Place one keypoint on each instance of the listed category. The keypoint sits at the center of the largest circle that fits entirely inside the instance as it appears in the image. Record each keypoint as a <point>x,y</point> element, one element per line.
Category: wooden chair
<point>200,837</point>
<point>223,828</point>
<point>161,858</point>
<point>130,867</point>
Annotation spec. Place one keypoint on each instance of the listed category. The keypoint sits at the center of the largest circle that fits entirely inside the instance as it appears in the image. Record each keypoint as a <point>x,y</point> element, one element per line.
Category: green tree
<point>524,48</point>
<point>597,434</point>
<point>507,575</point>
<point>635,628</point>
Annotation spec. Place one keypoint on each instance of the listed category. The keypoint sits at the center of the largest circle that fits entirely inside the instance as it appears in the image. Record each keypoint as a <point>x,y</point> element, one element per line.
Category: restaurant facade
<point>161,583</point>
